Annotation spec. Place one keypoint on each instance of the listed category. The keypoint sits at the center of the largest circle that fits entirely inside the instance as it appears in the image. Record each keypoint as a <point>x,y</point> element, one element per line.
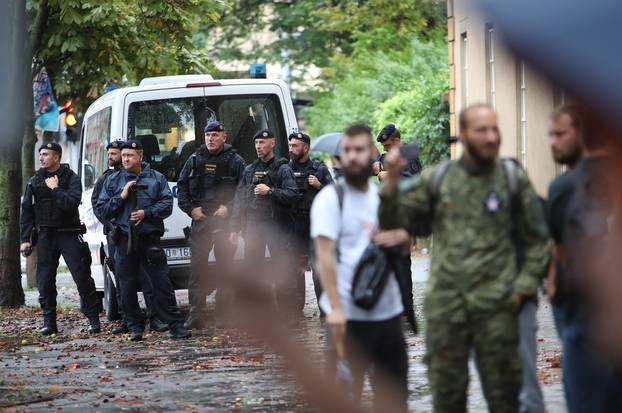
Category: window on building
<point>465,68</point>
<point>522,107</point>
<point>490,67</point>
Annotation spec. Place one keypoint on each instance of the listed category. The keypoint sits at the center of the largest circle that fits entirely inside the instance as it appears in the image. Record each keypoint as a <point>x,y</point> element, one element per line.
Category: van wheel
<point>111,306</point>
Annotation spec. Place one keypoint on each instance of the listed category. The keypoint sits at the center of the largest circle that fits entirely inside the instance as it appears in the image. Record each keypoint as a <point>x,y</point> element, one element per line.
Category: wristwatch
<point>270,192</point>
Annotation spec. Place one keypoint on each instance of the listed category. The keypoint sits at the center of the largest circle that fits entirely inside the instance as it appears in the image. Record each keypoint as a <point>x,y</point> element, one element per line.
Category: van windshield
<point>171,129</point>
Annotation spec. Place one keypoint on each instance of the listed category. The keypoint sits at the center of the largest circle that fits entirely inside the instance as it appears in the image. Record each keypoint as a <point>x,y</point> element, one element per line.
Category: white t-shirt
<point>353,228</point>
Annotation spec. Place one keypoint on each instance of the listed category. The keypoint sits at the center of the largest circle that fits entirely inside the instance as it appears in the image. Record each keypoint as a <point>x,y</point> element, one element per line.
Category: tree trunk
<point>28,146</point>
<point>13,119</point>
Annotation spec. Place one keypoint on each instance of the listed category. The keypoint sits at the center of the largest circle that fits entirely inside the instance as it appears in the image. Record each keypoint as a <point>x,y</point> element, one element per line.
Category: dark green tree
<point>86,45</point>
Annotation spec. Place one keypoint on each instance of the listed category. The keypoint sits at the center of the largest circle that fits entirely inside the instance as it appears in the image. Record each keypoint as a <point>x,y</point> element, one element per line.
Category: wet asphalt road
<point>219,369</point>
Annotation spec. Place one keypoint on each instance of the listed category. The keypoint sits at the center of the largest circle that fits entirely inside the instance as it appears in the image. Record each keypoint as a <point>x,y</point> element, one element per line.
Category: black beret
<point>264,134</point>
<point>53,146</point>
<point>300,136</point>
<point>215,126</point>
<point>115,144</point>
<point>387,132</point>
<point>132,144</point>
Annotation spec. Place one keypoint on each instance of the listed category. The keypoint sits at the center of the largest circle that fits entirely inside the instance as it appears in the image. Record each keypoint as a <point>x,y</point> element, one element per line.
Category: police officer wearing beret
<point>114,164</point>
<point>262,211</point>
<point>390,137</point>
<point>311,176</point>
<point>205,191</point>
<point>137,199</point>
<point>50,215</point>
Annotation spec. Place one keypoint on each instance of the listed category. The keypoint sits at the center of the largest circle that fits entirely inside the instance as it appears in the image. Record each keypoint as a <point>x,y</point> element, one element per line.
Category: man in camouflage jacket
<point>476,288</point>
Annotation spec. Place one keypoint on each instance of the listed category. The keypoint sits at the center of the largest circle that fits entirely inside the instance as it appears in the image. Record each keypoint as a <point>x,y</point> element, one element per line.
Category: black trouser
<point>52,243</point>
<point>260,232</point>
<point>139,268</point>
<point>403,274</point>
<point>203,280</point>
<point>147,294</point>
<point>302,247</point>
<point>377,347</point>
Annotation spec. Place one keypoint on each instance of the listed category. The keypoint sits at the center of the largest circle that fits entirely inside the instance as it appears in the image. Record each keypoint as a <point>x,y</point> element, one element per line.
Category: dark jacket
<point>276,174</point>
<point>306,193</point>
<point>97,189</point>
<point>44,207</point>
<point>208,180</point>
<point>156,200</point>
<point>412,168</point>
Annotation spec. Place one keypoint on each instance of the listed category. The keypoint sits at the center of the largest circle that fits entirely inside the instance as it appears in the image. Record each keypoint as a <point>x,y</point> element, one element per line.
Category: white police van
<point>168,115</point>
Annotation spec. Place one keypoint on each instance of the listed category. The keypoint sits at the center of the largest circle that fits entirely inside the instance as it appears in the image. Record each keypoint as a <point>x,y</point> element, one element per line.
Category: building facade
<point>482,69</point>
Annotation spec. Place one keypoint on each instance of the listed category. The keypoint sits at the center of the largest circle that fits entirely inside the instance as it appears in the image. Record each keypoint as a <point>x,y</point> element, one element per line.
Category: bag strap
<point>510,168</point>
<point>339,190</point>
<point>434,189</point>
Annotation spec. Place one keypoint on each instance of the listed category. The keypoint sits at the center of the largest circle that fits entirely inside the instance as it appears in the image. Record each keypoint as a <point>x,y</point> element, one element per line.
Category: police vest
<point>212,180</point>
<point>269,177</point>
<point>306,192</point>
<point>47,213</point>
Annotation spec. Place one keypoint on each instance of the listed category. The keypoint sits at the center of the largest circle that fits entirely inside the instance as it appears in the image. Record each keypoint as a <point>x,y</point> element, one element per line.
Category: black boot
<point>94,325</point>
<point>195,319</point>
<point>179,331</point>
<point>136,336</point>
<point>155,324</point>
<point>49,327</point>
<point>121,329</point>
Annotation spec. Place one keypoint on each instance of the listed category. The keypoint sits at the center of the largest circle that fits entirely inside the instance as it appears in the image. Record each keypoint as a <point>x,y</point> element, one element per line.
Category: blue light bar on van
<point>204,84</point>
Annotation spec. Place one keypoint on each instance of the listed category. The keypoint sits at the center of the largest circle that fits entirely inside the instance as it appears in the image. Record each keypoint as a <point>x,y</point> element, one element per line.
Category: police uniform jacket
<point>276,174</point>
<point>209,180</point>
<point>97,189</point>
<point>306,193</point>
<point>156,200</point>
<point>51,208</point>
<point>412,168</point>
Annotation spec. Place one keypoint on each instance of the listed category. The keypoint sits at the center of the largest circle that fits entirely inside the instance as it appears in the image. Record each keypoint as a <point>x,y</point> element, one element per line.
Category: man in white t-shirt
<point>373,339</point>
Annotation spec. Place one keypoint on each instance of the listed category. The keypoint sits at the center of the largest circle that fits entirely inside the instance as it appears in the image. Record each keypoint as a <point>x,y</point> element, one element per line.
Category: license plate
<point>178,253</point>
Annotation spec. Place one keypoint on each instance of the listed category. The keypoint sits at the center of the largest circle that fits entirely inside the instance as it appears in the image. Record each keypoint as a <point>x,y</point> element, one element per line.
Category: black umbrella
<point>574,42</point>
<point>327,143</point>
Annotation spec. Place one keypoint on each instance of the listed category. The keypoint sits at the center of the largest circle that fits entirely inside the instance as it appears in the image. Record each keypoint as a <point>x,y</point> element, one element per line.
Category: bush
<point>404,87</point>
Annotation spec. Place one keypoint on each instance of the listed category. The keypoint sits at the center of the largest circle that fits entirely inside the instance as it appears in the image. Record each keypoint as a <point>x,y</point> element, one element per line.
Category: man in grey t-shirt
<point>372,339</point>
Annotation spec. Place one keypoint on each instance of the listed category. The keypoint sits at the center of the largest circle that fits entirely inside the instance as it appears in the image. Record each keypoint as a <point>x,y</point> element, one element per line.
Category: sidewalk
<point>218,369</point>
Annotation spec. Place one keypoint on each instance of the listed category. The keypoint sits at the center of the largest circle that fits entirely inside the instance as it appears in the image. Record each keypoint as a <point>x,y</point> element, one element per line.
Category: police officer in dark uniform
<point>114,163</point>
<point>137,199</point>
<point>262,210</point>
<point>390,137</point>
<point>50,217</point>
<point>205,191</point>
<point>311,176</point>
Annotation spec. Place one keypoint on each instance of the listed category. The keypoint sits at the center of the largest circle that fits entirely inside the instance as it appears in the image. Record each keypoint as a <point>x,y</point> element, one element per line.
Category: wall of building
<point>484,70</point>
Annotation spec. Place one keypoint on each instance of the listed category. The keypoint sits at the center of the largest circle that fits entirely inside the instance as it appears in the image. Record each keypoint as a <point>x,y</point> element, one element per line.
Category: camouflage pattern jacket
<point>474,269</point>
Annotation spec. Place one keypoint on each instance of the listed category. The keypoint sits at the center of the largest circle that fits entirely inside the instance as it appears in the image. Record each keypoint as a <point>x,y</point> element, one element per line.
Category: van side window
<point>172,129</point>
<point>96,137</point>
